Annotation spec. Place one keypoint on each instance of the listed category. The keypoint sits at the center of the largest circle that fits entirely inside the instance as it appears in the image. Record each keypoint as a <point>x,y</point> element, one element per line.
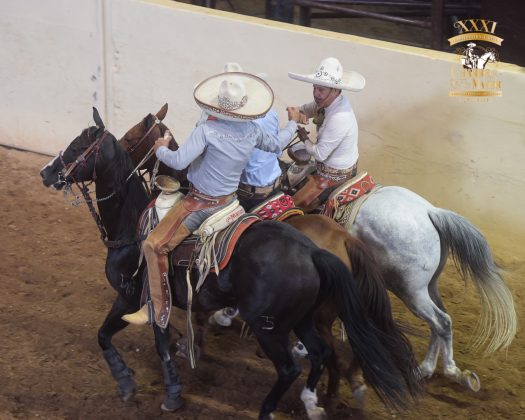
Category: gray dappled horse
<point>411,240</point>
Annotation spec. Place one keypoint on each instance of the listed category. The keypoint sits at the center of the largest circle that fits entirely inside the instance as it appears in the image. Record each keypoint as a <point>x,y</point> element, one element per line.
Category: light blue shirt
<point>263,167</point>
<point>217,152</point>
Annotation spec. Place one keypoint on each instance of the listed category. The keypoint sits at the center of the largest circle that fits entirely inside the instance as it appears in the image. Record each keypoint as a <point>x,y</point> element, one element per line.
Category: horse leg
<point>112,325</point>
<point>441,325</point>
<point>324,318</point>
<point>429,364</point>
<point>466,377</point>
<point>172,400</point>
<point>318,353</point>
<point>288,369</point>
<point>199,344</point>
<point>357,383</point>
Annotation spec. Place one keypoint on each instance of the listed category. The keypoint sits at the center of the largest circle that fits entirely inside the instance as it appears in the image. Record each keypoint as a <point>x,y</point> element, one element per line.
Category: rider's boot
<point>159,284</point>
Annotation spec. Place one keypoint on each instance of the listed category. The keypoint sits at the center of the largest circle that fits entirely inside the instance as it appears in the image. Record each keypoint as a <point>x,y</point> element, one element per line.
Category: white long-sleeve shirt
<point>336,145</point>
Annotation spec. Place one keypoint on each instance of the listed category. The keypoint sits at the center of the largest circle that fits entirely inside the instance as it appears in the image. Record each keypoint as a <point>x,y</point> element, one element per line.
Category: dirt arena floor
<point>55,297</point>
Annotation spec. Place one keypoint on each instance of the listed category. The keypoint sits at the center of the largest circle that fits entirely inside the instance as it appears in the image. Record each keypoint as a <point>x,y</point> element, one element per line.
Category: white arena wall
<point>128,57</point>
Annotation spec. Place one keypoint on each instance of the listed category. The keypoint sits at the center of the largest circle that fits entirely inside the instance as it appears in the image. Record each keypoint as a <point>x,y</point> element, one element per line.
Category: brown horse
<point>328,235</point>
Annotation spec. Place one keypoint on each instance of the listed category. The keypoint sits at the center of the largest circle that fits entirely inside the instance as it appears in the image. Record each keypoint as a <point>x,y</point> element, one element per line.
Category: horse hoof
<point>126,396</point>
<point>171,404</point>
<point>316,413</point>
<point>127,389</point>
<point>182,349</point>
<point>359,395</point>
<point>471,380</point>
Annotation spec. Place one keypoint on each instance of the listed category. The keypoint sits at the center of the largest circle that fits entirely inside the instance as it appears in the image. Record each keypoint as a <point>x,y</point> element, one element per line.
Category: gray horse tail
<point>473,258</point>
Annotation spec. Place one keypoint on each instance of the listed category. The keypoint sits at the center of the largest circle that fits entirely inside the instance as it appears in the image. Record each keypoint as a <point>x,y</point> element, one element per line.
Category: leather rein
<point>84,189</point>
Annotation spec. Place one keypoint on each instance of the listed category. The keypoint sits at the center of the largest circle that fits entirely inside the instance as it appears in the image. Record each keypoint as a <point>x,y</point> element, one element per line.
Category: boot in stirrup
<point>142,317</point>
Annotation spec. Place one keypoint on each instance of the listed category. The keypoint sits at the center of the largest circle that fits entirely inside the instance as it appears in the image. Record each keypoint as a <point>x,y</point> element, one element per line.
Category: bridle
<point>137,144</point>
<point>70,169</point>
<point>82,159</point>
<point>146,158</point>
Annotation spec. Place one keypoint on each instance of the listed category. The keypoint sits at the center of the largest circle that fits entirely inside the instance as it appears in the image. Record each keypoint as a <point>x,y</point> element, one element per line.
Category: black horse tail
<point>381,365</point>
<point>372,287</point>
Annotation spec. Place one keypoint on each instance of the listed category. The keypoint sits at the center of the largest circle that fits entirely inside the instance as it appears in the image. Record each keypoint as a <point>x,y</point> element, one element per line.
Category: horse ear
<point>97,119</point>
<point>162,112</point>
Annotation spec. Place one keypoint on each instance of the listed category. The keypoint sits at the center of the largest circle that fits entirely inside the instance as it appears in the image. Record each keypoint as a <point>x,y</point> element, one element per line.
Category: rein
<point>70,168</point>
<point>103,233</point>
<point>137,144</point>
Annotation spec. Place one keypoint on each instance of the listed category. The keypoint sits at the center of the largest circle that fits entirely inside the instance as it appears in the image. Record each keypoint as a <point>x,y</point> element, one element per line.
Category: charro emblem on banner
<point>470,78</point>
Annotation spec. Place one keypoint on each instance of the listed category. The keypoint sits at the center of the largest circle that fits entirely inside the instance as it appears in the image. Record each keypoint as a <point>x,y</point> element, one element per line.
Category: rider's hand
<point>296,115</point>
<point>163,141</point>
<point>302,134</point>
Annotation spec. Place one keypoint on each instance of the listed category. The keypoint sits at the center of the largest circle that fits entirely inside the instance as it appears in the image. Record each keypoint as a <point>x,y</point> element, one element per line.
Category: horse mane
<point>135,197</point>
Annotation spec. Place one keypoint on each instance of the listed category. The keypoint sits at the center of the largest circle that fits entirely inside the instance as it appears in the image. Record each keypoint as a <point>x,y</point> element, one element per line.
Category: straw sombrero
<point>234,96</point>
<point>330,74</point>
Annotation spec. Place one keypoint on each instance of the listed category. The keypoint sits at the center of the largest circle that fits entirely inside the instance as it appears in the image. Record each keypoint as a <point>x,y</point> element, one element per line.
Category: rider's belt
<point>335,174</point>
<point>260,190</point>
<point>210,201</point>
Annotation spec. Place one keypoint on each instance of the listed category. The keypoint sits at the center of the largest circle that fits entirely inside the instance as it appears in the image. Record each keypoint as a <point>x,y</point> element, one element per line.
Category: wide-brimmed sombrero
<point>330,74</point>
<point>234,96</point>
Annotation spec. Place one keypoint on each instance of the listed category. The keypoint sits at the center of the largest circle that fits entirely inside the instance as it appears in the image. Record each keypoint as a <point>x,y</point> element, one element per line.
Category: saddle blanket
<point>348,192</point>
<point>278,207</point>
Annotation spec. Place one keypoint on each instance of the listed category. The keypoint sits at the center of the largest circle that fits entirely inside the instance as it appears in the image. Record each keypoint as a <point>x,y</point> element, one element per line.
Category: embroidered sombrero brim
<point>352,81</point>
<point>259,97</point>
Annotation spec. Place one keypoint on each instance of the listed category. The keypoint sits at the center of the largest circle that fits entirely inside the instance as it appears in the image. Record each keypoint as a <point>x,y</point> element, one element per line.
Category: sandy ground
<point>55,297</point>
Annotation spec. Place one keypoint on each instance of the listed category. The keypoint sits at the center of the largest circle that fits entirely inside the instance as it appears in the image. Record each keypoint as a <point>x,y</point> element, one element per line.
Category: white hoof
<point>222,317</point>
<point>359,395</point>
<point>299,350</point>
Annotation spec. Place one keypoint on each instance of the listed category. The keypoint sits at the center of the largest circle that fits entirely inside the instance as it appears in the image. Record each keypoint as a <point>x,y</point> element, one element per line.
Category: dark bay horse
<point>328,235</point>
<point>274,295</point>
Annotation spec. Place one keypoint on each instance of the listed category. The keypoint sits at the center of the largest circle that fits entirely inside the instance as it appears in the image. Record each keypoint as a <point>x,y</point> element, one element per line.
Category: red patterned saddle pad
<point>274,207</point>
<point>348,192</point>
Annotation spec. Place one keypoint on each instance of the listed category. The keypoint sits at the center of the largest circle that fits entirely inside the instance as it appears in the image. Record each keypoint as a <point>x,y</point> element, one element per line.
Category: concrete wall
<point>129,57</point>
<point>50,71</point>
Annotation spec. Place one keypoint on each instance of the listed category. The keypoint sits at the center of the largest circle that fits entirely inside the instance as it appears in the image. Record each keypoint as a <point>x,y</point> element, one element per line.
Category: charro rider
<point>472,58</point>
<point>216,152</point>
<point>260,178</point>
<point>335,151</point>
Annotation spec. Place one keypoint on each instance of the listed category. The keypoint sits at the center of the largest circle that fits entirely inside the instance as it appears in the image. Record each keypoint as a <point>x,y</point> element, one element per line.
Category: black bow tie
<point>319,118</point>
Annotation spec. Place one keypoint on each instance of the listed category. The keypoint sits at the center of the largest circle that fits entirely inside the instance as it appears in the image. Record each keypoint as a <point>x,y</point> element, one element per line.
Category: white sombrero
<point>330,74</point>
<point>234,96</point>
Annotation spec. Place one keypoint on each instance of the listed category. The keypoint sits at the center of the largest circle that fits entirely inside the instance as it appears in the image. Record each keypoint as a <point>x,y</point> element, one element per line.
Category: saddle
<point>190,249</point>
<point>218,233</point>
<point>342,200</point>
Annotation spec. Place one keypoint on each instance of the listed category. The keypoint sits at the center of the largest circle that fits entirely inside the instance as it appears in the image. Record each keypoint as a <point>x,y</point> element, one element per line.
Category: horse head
<point>84,158</point>
<point>139,140</point>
